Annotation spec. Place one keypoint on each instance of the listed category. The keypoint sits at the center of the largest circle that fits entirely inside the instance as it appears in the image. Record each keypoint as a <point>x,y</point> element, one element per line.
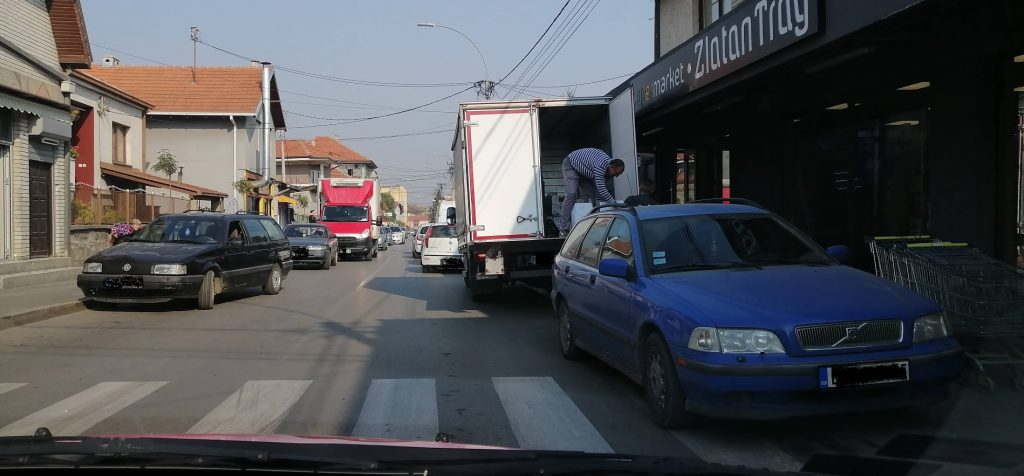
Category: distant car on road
<point>190,256</point>
<point>312,245</point>
<point>397,236</point>
<point>417,243</point>
<point>728,311</point>
<point>440,248</point>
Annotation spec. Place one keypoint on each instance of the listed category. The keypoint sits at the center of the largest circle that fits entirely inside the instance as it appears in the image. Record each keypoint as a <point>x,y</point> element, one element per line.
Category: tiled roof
<point>321,147</point>
<point>217,90</point>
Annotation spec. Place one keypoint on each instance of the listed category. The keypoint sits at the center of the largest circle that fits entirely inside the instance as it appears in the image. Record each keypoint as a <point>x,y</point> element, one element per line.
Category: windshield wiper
<point>706,266</point>
<point>183,241</point>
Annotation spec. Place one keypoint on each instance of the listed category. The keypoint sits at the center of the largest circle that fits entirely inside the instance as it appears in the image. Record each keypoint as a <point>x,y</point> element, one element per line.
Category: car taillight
<point>481,257</point>
<point>426,238</point>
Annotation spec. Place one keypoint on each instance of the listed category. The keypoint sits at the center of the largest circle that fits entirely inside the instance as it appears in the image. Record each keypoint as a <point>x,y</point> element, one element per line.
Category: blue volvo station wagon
<point>726,310</point>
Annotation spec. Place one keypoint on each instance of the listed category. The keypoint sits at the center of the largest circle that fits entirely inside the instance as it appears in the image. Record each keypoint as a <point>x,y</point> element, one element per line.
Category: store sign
<point>753,30</point>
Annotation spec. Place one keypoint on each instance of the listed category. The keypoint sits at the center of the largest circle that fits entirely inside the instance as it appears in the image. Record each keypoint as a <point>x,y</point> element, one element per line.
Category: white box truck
<point>508,179</point>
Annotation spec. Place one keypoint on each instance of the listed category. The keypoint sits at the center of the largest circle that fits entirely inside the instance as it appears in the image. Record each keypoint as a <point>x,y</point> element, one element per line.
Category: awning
<point>34,108</point>
<point>134,175</point>
<point>286,199</point>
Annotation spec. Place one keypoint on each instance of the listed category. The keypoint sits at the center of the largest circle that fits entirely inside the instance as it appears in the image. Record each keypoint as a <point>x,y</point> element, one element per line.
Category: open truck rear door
<point>623,132</point>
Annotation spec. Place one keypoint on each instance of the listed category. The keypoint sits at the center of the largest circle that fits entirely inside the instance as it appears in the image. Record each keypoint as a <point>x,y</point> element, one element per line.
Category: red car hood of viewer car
<point>339,440</point>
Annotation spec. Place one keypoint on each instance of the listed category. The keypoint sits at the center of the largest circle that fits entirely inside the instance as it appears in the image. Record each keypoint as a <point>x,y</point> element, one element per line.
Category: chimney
<point>313,142</point>
<point>111,61</point>
<point>254,63</point>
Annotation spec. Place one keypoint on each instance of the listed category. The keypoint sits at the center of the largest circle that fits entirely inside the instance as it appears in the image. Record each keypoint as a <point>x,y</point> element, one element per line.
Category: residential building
<point>109,172</point>
<point>401,197</point>
<point>210,119</point>
<point>39,41</point>
<point>850,119</point>
<point>303,162</point>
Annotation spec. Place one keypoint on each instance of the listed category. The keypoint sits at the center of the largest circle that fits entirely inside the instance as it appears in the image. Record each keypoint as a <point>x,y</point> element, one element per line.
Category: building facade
<point>401,197</point>
<point>211,124</point>
<point>851,119</point>
<point>39,41</point>
<point>302,163</point>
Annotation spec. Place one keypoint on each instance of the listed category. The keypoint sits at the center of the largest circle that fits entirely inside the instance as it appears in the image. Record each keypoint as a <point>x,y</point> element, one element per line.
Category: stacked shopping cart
<point>983,297</point>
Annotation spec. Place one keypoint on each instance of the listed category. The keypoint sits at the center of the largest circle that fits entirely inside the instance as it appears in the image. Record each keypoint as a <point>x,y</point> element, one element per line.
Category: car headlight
<point>931,327</point>
<point>365,233</point>
<point>316,247</point>
<point>735,341</point>
<point>92,268</point>
<point>172,269</point>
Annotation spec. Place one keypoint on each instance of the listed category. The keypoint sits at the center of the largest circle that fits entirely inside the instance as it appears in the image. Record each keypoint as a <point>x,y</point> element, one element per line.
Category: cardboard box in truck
<point>508,179</point>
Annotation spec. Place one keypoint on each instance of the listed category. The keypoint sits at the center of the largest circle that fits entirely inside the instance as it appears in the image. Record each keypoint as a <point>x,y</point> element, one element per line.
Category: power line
<point>376,108</point>
<point>582,84</point>
<point>535,43</point>
<point>129,54</point>
<point>326,77</point>
<point>388,114</point>
<point>560,46</point>
<point>551,39</point>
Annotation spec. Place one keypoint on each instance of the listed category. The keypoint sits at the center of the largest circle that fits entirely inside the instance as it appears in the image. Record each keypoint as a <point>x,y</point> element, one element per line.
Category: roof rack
<point>631,208</point>
<point>247,213</point>
<point>734,201</point>
<point>200,210</point>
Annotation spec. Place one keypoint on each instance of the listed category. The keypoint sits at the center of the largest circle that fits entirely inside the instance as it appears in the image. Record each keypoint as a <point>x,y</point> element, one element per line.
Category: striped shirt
<point>592,164</point>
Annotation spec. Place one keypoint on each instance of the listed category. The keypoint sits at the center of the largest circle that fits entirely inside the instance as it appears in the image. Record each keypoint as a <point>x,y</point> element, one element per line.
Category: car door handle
<point>567,272</point>
<point>593,278</point>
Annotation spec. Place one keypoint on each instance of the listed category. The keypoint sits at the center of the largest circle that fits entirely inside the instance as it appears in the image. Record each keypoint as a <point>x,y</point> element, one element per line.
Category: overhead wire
<point>560,46</point>
<point>541,37</point>
<point>569,18</point>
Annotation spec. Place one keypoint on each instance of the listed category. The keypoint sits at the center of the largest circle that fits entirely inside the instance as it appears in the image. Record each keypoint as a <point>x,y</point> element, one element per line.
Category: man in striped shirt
<point>585,172</point>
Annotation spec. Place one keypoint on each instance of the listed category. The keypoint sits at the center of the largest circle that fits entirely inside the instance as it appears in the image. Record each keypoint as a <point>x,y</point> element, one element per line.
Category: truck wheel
<point>368,256</point>
<point>207,291</point>
<point>273,284</point>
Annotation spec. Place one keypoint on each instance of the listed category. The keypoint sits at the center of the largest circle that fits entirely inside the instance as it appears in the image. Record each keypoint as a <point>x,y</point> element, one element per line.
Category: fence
<point>93,206</point>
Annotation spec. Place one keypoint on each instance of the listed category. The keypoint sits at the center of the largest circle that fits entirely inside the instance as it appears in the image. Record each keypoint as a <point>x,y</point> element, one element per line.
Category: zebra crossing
<point>539,413</point>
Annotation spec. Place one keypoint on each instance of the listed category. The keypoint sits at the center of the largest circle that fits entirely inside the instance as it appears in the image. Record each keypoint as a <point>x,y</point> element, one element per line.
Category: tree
<point>387,202</point>
<point>167,165</point>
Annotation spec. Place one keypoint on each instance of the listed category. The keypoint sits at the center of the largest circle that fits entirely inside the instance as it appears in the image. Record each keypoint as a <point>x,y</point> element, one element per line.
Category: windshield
<point>701,241</point>
<point>345,213</point>
<point>826,274</point>
<point>305,231</point>
<point>183,229</point>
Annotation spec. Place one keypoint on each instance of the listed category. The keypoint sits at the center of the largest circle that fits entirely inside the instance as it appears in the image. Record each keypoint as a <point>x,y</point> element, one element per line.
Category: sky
<point>378,41</point>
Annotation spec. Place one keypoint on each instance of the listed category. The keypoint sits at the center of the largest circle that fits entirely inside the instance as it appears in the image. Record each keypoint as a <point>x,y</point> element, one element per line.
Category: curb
<point>39,314</point>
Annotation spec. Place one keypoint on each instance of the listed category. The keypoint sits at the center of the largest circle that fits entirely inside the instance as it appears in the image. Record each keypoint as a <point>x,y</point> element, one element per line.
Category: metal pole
<point>268,120</point>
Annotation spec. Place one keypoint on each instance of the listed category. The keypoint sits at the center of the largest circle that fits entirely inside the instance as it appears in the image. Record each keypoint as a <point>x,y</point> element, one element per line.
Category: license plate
<point>863,374</point>
<point>126,282</point>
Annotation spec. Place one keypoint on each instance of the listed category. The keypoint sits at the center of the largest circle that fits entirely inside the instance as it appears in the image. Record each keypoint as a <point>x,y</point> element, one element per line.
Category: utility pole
<point>195,40</point>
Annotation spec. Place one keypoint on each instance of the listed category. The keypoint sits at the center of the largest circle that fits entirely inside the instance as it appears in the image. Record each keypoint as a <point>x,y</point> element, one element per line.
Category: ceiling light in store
<point>915,86</point>
<point>1019,89</point>
<point>653,131</point>
<point>796,120</point>
<point>903,123</point>
<point>1018,59</point>
<point>838,107</point>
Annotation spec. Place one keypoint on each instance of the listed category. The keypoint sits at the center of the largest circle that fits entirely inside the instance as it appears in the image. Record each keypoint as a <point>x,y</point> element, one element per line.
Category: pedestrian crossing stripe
<point>7,387</point>
<point>76,414</point>
<point>257,407</point>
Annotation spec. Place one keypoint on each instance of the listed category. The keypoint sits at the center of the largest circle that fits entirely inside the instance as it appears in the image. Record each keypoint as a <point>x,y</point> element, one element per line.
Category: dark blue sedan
<point>726,310</point>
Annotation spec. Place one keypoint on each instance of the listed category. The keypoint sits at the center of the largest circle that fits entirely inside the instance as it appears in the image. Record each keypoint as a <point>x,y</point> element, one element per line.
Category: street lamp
<point>485,87</point>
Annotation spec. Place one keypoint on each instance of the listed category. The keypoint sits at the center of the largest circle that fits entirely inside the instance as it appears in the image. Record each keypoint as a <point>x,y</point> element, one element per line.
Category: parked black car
<point>312,245</point>
<point>190,256</point>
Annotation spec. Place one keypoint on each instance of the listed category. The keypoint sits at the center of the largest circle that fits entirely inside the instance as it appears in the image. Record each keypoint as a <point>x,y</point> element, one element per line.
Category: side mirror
<point>235,243</point>
<point>378,222</point>
<point>614,267</point>
<point>840,252</point>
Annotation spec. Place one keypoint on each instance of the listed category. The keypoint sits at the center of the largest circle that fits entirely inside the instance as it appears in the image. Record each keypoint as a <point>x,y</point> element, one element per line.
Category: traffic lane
<point>298,334</point>
<point>466,345</point>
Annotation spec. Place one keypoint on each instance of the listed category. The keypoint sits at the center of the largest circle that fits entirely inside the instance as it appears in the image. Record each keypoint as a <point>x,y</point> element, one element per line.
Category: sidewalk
<point>20,306</point>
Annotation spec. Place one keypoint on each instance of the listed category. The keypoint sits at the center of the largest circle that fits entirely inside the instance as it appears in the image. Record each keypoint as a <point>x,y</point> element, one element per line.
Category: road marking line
<point>543,417</point>
<point>404,409</point>
<point>7,387</point>
<point>741,450</point>
<point>256,407</point>
<point>374,273</point>
<point>77,413</point>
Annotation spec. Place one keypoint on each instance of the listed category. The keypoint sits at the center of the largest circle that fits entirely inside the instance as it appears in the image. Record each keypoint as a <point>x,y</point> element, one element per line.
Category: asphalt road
<point>380,349</point>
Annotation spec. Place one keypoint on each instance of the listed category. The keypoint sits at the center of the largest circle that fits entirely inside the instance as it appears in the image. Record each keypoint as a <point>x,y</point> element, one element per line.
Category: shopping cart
<point>983,297</point>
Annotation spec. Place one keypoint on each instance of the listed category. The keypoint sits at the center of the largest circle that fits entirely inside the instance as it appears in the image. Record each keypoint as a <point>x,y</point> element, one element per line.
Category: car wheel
<point>326,264</point>
<point>207,291</point>
<point>424,268</point>
<point>368,256</point>
<point>661,385</point>
<point>565,333</point>
<point>273,284</point>
<point>334,258</point>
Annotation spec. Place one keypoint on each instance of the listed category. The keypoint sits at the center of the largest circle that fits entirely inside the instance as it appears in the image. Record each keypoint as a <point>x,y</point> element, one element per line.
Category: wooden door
<point>40,196</point>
